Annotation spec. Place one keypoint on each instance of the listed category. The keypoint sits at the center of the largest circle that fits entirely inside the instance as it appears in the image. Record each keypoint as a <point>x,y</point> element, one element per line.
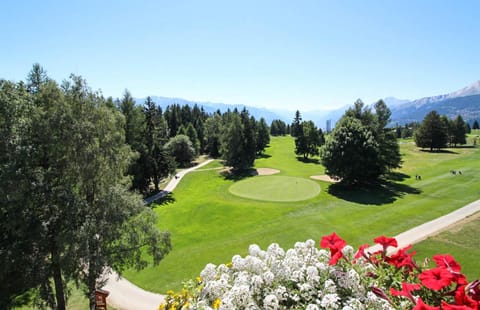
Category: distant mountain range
<point>464,102</point>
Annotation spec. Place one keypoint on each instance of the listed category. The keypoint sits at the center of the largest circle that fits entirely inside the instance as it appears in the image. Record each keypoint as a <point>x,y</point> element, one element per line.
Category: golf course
<point>213,215</point>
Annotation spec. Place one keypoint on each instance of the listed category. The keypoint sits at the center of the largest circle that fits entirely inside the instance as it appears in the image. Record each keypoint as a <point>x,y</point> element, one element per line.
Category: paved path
<point>126,296</point>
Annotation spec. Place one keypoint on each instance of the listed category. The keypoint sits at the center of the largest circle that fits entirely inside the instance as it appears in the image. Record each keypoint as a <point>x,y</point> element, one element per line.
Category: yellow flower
<point>199,279</point>
<point>161,307</point>
<point>216,303</point>
<point>229,265</point>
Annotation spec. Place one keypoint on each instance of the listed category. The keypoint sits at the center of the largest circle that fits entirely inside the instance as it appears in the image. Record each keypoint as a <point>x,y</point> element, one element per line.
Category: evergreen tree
<point>309,140</point>
<point>232,143</point>
<point>459,133</point>
<point>262,135</point>
<point>213,131</point>
<point>432,133</point>
<point>192,134</point>
<point>475,125</point>
<point>296,129</point>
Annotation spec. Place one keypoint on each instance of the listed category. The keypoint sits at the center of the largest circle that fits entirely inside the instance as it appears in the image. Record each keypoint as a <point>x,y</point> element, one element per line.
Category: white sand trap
<point>267,171</point>
<point>324,177</point>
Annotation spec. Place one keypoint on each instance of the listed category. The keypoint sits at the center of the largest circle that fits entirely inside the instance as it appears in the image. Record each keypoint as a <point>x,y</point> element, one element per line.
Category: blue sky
<point>284,54</point>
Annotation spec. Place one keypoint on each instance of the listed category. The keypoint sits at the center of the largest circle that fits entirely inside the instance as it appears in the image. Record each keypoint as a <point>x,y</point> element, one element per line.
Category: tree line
<point>166,139</point>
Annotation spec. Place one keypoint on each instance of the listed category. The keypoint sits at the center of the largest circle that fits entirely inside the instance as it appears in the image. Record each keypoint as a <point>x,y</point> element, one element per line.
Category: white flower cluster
<point>300,278</point>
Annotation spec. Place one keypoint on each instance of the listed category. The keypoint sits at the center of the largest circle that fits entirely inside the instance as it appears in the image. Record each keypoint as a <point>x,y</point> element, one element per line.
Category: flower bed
<point>306,277</point>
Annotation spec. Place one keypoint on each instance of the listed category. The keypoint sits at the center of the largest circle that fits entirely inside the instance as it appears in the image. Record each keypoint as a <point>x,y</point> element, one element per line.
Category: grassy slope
<point>208,224</point>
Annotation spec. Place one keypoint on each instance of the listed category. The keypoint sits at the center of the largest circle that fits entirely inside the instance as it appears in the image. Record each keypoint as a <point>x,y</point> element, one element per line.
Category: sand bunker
<point>324,177</point>
<point>267,171</point>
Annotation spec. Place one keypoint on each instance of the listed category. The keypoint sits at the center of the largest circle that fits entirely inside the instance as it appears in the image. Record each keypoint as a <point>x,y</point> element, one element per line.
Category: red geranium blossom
<point>462,298</point>
<point>406,291</point>
<point>422,306</point>
<point>385,242</point>
<point>361,250</point>
<point>473,290</point>
<point>333,242</point>
<point>436,278</point>
<point>402,258</point>
<point>447,261</point>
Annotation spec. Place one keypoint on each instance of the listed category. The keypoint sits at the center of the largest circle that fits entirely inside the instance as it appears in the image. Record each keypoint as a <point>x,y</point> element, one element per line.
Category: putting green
<point>275,188</point>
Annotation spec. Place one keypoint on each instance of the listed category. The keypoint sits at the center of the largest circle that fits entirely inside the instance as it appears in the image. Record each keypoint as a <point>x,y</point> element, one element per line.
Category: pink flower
<point>436,278</point>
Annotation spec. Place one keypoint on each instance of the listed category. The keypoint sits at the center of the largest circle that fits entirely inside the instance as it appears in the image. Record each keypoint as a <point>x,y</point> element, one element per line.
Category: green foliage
<point>233,145</point>
<point>361,148</point>
<point>180,147</point>
<point>262,136</point>
<point>432,133</point>
<point>309,138</point>
<point>475,125</point>
<point>278,128</point>
<point>68,206</point>
<point>351,152</point>
<point>296,127</point>
<point>213,131</point>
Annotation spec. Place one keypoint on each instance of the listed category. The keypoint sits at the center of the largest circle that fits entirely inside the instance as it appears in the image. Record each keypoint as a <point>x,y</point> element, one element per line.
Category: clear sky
<point>284,54</point>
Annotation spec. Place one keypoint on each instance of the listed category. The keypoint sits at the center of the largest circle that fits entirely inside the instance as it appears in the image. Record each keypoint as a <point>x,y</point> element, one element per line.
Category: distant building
<point>329,125</point>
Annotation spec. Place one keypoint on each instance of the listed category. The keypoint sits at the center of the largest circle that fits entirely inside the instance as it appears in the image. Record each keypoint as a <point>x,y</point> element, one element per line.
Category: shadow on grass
<point>438,151</point>
<point>237,175</point>
<point>263,155</point>
<point>163,201</point>
<point>397,176</point>
<point>307,160</point>
<point>380,193</point>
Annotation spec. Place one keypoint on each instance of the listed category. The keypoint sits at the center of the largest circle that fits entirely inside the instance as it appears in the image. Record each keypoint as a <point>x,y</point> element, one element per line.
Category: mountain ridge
<point>464,102</point>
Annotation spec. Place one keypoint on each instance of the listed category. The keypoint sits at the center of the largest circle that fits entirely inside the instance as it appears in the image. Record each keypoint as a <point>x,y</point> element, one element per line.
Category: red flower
<point>473,290</point>
<point>447,261</point>
<point>361,251</point>
<point>335,255</point>
<point>436,278</point>
<point>385,242</point>
<point>422,306</point>
<point>402,258</point>
<point>333,242</point>
<point>446,306</point>
<point>406,291</point>
<point>462,297</point>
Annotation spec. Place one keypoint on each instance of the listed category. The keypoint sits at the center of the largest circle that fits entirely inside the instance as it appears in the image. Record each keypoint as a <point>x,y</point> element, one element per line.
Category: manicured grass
<point>460,240</point>
<point>275,188</point>
<point>209,224</point>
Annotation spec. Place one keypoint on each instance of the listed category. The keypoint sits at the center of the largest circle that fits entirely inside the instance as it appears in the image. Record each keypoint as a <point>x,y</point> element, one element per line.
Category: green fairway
<point>275,188</point>
<point>209,224</point>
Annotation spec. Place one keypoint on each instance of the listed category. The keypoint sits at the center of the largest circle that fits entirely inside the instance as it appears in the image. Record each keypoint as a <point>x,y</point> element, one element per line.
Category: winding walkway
<point>124,295</point>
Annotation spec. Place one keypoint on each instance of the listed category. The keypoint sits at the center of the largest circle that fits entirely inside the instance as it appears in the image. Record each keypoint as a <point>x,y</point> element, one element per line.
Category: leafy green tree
<point>180,147</point>
<point>262,135</point>
<point>77,211</point>
<point>388,148</point>
<point>432,133</point>
<point>158,163</point>
<point>377,150</point>
<point>232,143</point>
<point>249,138</point>
<point>213,131</point>
<point>191,132</point>
<point>135,137</point>
<point>309,139</point>
<point>351,152</point>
